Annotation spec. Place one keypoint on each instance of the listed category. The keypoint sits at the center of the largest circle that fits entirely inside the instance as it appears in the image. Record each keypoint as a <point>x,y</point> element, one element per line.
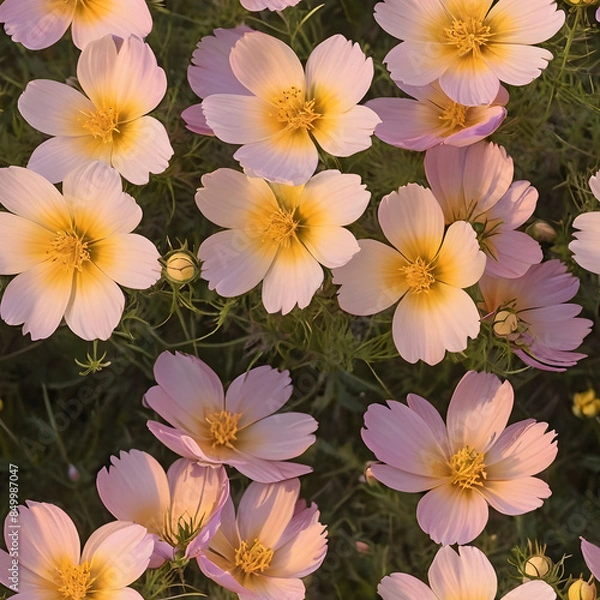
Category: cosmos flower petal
<point>266,66</point>
<point>143,148</point>
<point>278,437</point>
<point>513,253</point>
<point>96,304</point>
<point>219,575</point>
<point>408,20</point>
<point>401,586</point>
<point>585,246</point>
<point>54,108</point>
<point>332,246</point>
<point>121,20</point>
<point>293,278</point>
<point>479,411</point>
<point>233,263</point>
<point>472,81</point>
<point>416,64</point>
<point>450,515</point>
<point>38,299</point>
<point>424,409</point>
<point>126,593</point>
<point>426,325</point>
<point>403,481</point>
<point>31,23</point>
<point>134,488</point>
<point>180,443</point>
<point>532,590</point>
<point>370,281</point>
<point>516,64</point>
<point>267,471</point>
<point>591,555</point>
<point>118,552</point>
<point>517,205</point>
<point>465,573</point>
<point>196,121</point>
<point>516,496</point>
<point>338,73</point>
<point>256,5</point>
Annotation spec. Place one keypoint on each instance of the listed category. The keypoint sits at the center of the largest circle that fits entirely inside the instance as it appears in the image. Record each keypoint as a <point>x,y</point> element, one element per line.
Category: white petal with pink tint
<point>591,555</point>
<point>516,496</point>
<point>517,64</point>
<point>400,586</point>
<point>402,481</point>
<point>408,20</point>
<point>256,5</point>
<point>415,64</point>
<point>586,243</point>
<point>532,590</point>
<point>195,120</point>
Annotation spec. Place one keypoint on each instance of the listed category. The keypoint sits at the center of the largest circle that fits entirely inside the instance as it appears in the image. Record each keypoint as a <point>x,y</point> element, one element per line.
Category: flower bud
<point>586,404</point>
<point>581,590</point>
<point>505,323</point>
<point>181,267</point>
<point>538,566</point>
<point>581,2</point>
<point>541,231</point>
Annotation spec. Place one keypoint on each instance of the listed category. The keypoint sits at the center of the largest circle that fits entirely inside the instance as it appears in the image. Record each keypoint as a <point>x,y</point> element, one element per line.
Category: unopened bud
<point>181,267</point>
<point>537,566</point>
<point>581,2</point>
<point>582,590</point>
<point>586,404</point>
<point>505,323</point>
<point>541,231</point>
<point>73,473</point>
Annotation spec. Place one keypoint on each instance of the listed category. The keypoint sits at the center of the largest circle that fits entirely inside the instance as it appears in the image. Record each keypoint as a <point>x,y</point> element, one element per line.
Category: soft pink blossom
<point>472,462</point>
<point>475,184</point>
<point>255,5</point>
<point>52,565</point>
<point>122,83</point>
<point>277,234</point>
<point>210,73</point>
<point>433,118</point>
<point>530,313</point>
<point>264,551</point>
<point>70,251</point>
<point>180,508</point>
<point>586,246</point>
<point>426,271</point>
<point>591,555</point>
<point>288,109</point>
<point>38,24</point>
<point>238,428</point>
<point>469,46</point>
<point>466,574</point>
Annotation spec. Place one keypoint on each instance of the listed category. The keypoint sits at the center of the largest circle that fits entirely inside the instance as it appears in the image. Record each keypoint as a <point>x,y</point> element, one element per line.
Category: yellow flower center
<point>294,110</point>
<point>418,276</point>
<point>102,123</point>
<point>467,468</point>
<point>253,558</point>
<point>505,323</point>
<point>69,249</point>
<point>75,581</point>
<point>223,427</point>
<point>454,116</point>
<point>281,227</point>
<point>468,35</point>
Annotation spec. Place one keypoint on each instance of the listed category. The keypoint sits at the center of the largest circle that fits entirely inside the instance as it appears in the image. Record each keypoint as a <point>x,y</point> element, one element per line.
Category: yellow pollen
<point>223,427</point>
<point>454,116</point>
<point>254,558</point>
<point>468,36</point>
<point>505,323</point>
<point>418,276</point>
<point>75,581</point>
<point>102,123</point>
<point>69,249</point>
<point>294,110</point>
<point>281,228</point>
<point>467,468</point>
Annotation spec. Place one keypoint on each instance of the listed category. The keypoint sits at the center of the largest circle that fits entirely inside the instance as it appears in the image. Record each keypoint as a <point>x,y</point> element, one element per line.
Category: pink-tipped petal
<point>591,555</point>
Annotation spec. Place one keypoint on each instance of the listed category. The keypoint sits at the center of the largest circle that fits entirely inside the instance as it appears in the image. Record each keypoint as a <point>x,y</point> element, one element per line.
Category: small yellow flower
<point>586,404</point>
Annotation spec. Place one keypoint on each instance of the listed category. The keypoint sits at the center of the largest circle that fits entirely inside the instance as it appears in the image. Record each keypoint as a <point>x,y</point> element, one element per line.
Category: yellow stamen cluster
<point>223,427</point>
<point>294,110</point>
<point>102,123</point>
<point>69,249</point>
<point>454,116</point>
<point>281,227</point>
<point>418,276</point>
<point>468,36</point>
<point>75,581</point>
<point>467,468</point>
<point>251,559</point>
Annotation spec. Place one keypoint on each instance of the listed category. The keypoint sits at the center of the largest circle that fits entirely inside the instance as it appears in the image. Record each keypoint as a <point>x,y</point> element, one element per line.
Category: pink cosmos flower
<point>591,556</point>
<point>38,24</point>
<point>52,566</point>
<point>210,73</point>
<point>469,46</point>
<point>475,184</point>
<point>70,251</point>
<point>122,83</point>
<point>472,462</point>
<point>278,234</point>
<point>530,313</point>
<point>585,247</point>
<point>237,429</point>
<point>255,5</point>
<point>425,270</point>
<point>466,574</point>
<point>181,509</point>
<point>433,118</point>
<point>274,540</point>
<point>285,110</point>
